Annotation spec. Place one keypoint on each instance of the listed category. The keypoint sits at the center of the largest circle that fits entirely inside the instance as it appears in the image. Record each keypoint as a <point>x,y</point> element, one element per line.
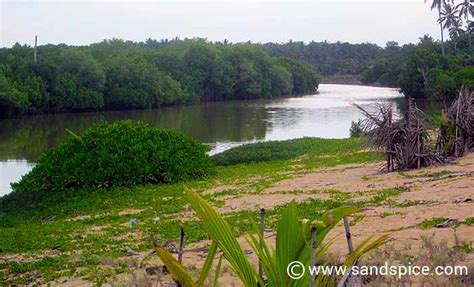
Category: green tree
<point>37,90</point>
<point>413,79</point>
<point>79,82</point>
<point>133,82</point>
<point>281,81</point>
<point>464,77</point>
<point>12,100</point>
<point>465,9</point>
<point>247,81</point>
<point>440,85</point>
<point>437,4</point>
<point>304,78</point>
<point>220,83</point>
<point>452,22</point>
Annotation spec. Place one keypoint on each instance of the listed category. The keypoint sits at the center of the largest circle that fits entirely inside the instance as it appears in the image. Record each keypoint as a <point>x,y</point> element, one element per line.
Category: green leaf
<point>207,264</point>
<point>73,134</point>
<point>222,234</point>
<point>177,270</point>
<point>218,271</point>
<point>290,242</point>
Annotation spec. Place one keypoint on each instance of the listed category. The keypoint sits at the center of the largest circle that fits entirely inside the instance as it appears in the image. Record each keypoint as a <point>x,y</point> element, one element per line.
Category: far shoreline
<point>351,80</point>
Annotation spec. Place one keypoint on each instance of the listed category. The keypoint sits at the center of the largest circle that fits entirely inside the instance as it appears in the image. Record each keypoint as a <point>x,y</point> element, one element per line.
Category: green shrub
<point>265,151</point>
<point>465,77</point>
<point>123,153</point>
<point>285,150</point>
<point>356,130</point>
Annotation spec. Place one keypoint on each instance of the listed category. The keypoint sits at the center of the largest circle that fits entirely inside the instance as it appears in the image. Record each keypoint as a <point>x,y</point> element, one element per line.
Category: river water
<point>222,125</point>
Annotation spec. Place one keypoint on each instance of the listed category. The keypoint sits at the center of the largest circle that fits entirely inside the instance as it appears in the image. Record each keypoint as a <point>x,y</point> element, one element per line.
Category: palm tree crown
<point>449,16</point>
<point>465,8</point>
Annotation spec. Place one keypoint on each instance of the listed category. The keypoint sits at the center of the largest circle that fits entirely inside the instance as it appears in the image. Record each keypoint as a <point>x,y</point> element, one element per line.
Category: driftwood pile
<point>406,141</point>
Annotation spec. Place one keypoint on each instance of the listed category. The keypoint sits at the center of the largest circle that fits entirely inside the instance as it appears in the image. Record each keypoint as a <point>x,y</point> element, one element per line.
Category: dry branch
<point>404,141</point>
<point>456,132</point>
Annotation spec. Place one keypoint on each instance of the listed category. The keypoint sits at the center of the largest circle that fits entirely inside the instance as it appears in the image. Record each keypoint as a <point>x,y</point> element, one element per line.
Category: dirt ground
<point>441,191</point>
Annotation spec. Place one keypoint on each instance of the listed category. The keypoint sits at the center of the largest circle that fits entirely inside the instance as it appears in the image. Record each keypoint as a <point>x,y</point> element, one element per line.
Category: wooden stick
<point>456,148</point>
<point>418,143</point>
<point>181,244</point>
<point>313,256</point>
<point>262,230</point>
<point>352,281</point>
<point>348,235</point>
<point>389,147</point>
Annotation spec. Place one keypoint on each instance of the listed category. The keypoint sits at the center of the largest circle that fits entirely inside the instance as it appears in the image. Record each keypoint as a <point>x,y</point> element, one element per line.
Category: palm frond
<point>293,243</point>
<point>222,234</point>
<point>206,268</point>
<point>177,271</point>
<point>218,271</point>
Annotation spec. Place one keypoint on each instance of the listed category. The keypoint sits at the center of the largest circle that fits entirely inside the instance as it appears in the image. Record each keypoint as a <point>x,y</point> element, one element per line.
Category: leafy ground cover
<point>123,153</point>
<point>86,235</point>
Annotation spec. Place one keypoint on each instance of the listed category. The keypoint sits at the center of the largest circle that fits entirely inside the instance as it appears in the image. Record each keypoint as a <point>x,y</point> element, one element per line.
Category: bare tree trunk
<point>455,45</point>
<point>441,28</point>
<point>469,36</point>
<point>468,29</point>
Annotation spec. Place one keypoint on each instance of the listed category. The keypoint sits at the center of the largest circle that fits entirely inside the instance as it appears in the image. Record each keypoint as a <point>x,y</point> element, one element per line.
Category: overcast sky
<point>85,22</point>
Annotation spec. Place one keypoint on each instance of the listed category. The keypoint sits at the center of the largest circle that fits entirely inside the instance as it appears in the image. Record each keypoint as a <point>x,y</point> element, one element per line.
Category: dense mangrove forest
<point>117,74</point>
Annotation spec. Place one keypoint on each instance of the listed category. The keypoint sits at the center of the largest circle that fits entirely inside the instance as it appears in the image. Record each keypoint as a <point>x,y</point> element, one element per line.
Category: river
<point>222,125</point>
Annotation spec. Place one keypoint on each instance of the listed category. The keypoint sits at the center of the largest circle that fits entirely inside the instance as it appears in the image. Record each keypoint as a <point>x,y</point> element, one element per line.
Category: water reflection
<point>222,124</point>
<point>11,171</point>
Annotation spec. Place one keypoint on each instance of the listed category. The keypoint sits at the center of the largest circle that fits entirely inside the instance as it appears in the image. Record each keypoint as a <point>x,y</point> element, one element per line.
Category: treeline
<point>433,70</point>
<point>419,70</point>
<point>117,74</point>
<point>339,58</point>
<point>422,71</point>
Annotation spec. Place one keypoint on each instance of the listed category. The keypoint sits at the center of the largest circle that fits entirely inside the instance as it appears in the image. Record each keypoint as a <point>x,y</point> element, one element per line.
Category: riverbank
<point>105,236</point>
<point>327,114</point>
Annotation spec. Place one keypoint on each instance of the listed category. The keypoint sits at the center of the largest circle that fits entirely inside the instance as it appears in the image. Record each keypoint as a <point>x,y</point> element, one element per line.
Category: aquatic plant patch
<point>123,153</point>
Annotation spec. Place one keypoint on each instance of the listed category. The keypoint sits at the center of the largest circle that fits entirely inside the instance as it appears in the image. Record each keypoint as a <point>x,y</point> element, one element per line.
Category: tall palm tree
<point>465,9</point>
<point>451,21</point>
<point>437,4</point>
<point>454,31</point>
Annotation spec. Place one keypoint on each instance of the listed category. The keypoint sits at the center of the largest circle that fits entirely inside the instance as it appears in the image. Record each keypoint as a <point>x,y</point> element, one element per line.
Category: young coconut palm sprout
<point>404,141</point>
<point>293,243</point>
<point>456,132</point>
